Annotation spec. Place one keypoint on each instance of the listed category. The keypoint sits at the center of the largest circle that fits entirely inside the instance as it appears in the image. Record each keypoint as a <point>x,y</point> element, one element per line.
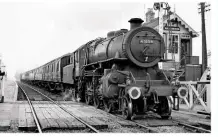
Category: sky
<point>33,33</point>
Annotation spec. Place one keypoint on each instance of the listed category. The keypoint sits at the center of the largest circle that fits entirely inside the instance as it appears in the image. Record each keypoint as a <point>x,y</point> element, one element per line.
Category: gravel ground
<point>171,129</point>
<point>115,127</point>
<point>67,131</point>
<point>189,118</point>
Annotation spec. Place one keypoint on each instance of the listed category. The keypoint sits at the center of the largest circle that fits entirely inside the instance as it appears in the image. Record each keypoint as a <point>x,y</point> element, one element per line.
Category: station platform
<point>7,107</point>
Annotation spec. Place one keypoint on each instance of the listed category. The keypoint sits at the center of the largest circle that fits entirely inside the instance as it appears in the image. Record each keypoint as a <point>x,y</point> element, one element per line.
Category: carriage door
<point>76,57</point>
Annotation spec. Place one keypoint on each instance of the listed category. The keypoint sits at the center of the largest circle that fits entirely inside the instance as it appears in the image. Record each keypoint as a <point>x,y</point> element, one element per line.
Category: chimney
<point>149,15</point>
<point>135,23</point>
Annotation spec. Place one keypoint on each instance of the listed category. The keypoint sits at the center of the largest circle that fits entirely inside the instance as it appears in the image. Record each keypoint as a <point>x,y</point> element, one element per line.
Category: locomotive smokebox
<point>135,23</point>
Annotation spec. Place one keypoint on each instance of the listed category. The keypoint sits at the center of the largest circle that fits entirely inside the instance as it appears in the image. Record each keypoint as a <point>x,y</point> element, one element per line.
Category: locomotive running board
<point>107,60</point>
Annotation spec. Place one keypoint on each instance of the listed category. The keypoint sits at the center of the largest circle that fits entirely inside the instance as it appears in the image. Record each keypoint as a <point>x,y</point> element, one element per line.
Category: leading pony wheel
<point>96,101</point>
<point>127,108</point>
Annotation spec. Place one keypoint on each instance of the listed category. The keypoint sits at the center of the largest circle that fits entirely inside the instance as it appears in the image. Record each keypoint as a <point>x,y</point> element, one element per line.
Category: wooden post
<point>208,97</point>
<point>199,98</point>
<point>190,96</point>
<point>2,80</point>
<point>204,44</point>
<point>2,90</point>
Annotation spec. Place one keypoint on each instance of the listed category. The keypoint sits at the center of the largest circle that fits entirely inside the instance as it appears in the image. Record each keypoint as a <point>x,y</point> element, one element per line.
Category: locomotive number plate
<point>146,41</point>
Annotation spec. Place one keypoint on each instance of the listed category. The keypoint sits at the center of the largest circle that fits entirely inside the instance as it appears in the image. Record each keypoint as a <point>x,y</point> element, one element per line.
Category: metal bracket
<point>155,96</point>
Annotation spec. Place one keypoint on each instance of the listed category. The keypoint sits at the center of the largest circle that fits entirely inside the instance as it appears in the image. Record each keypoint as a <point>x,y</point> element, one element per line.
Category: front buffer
<point>141,99</point>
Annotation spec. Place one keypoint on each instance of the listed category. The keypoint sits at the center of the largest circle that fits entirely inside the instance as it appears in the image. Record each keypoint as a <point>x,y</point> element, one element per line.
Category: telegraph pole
<point>203,30</point>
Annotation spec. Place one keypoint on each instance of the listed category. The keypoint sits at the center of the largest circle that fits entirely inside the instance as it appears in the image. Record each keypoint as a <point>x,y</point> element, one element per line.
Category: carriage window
<point>58,66</point>
<point>76,56</point>
<point>173,44</point>
<point>71,60</point>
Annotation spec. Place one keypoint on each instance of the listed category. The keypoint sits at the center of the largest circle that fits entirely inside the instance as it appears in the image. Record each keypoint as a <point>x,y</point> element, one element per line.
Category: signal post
<point>2,80</point>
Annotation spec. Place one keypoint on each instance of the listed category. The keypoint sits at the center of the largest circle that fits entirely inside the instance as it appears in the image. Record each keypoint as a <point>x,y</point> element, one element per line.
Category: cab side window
<point>53,67</point>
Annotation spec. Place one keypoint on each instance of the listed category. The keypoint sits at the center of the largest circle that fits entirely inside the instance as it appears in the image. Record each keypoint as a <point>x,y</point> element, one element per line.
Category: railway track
<point>131,123</point>
<point>53,102</point>
<point>139,123</point>
<point>150,130</point>
<point>32,110</point>
<point>189,127</point>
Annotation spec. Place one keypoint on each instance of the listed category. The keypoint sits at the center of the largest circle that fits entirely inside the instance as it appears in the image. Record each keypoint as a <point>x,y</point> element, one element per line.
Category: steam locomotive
<point>116,73</point>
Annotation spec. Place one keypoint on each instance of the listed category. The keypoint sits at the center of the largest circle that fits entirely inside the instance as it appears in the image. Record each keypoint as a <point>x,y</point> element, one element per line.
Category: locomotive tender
<point>117,73</point>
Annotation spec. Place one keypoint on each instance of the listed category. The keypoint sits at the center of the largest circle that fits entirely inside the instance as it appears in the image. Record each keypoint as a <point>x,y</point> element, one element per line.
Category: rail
<point>194,128</point>
<point>32,110</point>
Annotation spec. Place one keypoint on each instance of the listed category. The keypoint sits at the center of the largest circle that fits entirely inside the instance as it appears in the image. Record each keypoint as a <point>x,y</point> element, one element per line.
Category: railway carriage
<point>49,75</point>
